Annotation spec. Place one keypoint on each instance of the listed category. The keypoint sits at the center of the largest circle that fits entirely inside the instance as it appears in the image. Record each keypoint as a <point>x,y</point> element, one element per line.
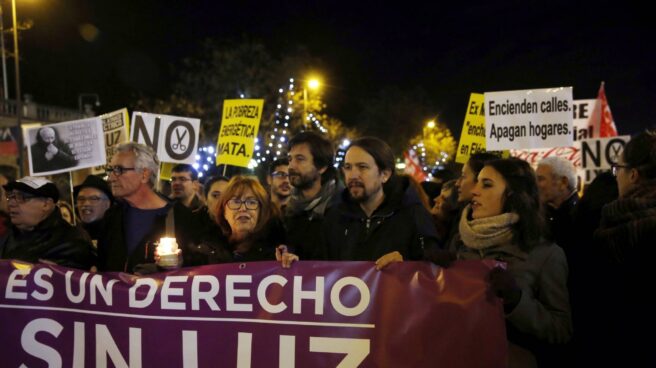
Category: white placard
<point>601,153</point>
<point>537,118</point>
<point>174,138</point>
<point>64,147</point>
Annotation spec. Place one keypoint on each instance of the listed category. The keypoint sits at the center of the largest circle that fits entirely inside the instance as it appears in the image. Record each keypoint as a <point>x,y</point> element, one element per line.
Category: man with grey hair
<point>142,215</point>
<point>557,184</point>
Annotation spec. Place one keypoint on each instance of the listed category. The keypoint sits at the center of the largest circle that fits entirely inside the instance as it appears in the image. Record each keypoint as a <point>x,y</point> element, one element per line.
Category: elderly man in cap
<point>92,199</point>
<point>38,232</point>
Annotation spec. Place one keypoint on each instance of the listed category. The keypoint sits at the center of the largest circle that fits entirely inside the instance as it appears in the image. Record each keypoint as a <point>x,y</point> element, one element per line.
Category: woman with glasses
<point>250,226</point>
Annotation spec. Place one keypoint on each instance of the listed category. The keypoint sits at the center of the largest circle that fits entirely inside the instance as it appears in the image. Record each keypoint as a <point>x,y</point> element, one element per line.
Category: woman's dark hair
<point>640,154</point>
<point>477,161</point>
<point>209,182</point>
<point>521,197</point>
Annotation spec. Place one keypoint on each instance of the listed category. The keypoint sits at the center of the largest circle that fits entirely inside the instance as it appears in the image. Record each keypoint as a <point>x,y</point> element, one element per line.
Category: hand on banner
<point>441,257</point>
<point>503,285</point>
<point>284,257</point>
<point>388,258</point>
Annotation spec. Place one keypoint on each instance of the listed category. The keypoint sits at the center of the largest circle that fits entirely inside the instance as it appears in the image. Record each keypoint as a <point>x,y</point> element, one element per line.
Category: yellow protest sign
<point>239,125</point>
<point>472,137</point>
<point>165,170</point>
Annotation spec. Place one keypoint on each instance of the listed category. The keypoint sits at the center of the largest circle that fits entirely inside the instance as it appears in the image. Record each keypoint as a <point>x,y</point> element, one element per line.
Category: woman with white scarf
<point>504,222</point>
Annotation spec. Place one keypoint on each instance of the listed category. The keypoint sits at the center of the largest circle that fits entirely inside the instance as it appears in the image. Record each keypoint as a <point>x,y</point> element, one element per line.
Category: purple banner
<point>316,314</point>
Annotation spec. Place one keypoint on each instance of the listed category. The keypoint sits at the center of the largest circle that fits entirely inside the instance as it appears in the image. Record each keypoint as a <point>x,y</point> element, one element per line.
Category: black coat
<point>401,223</point>
<point>214,247</point>
<point>303,228</point>
<point>112,248</point>
<point>53,240</point>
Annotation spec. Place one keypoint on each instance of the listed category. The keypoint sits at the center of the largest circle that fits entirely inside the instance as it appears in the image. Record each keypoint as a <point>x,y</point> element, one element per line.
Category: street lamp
<point>429,125</point>
<point>4,56</point>
<point>19,107</point>
<point>312,84</point>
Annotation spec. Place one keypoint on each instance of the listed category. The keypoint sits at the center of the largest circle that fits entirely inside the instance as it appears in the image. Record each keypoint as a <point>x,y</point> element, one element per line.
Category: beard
<point>359,193</point>
<point>303,181</point>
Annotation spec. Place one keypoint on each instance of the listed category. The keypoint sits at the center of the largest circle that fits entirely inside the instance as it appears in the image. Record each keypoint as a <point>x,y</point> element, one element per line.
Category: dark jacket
<point>53,240</point>
<point>303,226</point>
<point>216,248</point>
<point>112,249</point>
<point>561,223</point>
<point>624,280</point>
<point>401,223</point>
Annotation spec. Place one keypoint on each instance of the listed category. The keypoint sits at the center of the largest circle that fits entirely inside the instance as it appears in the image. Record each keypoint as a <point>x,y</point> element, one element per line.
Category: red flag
<point>606,124</point>
<point>412,166</point>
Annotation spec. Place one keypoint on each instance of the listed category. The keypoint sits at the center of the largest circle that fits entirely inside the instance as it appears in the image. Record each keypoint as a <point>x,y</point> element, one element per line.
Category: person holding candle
<point>134,227</point>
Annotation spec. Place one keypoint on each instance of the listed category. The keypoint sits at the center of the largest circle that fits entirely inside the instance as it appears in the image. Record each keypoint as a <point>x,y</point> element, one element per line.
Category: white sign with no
<point>174,138</point>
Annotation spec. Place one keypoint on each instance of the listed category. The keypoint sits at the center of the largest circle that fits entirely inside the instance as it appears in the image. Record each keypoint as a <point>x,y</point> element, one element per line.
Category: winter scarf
<point>486,232</point>
<point>316,205</point>
<point>629,221</point>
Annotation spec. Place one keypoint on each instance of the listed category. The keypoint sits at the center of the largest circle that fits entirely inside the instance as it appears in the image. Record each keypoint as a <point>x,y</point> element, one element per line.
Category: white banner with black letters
<point>537,118</point>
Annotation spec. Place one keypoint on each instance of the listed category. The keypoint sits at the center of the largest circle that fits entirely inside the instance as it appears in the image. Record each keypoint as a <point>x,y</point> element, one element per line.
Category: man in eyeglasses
<point>92,199</point>
<point>184,186</point>
<point>38,232</point>
<point>142,217</point>
<point>278,179</point>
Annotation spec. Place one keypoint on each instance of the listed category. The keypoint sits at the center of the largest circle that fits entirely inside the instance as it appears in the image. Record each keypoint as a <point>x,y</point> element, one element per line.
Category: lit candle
<point>168,251</point>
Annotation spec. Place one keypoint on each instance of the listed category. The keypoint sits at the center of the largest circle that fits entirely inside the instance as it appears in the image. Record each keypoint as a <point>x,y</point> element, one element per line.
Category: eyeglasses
<point>251,204</point>
<point>181,179</point>
<point>117,170</point>
<point>280,174</point>
<point>20,197</point>
<point>91,199</point>
<point>614,168</point>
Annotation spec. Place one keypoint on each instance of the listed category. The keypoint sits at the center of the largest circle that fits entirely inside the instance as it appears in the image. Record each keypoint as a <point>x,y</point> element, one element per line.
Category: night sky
<point>447,50</point>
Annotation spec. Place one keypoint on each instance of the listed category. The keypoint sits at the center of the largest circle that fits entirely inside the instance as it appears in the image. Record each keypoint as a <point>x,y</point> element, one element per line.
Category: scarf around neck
<point>317,205</point>
<point>629,221</point>
<point>486,232</point>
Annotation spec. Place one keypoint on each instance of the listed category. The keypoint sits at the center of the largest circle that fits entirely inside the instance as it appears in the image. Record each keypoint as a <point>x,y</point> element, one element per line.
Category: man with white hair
<point>557,184</point>
<point>142,215</point>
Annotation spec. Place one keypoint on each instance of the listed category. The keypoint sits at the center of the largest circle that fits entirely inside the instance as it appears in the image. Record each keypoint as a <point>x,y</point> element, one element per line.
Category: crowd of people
<point>574,278</point>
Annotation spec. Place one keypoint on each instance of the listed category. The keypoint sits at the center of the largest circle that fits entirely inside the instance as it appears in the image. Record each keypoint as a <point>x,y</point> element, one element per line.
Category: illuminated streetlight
<point>313,84</point>
<point>429,125</point>
<point>19,107</point>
